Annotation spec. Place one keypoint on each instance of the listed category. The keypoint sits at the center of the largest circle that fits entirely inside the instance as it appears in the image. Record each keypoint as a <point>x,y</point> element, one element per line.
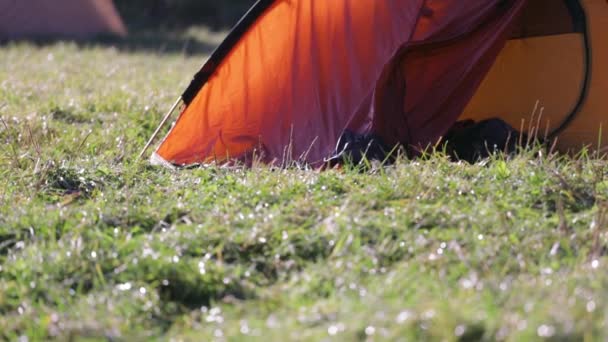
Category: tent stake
<point>162,124</point>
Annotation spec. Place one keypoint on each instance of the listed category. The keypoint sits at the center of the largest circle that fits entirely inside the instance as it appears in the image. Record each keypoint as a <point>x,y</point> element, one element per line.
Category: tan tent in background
<point>58,19</point>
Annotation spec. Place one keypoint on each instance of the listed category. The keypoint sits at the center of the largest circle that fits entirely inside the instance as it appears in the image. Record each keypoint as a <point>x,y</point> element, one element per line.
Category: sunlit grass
<point>94,244</point>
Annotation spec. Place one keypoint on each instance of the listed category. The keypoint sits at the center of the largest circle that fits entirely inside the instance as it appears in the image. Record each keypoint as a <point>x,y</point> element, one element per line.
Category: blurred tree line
<point>182,13</point>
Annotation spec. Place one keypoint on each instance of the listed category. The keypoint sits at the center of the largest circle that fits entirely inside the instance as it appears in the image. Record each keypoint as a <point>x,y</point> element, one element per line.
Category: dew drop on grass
<point>546,271</point>
<point>522,325</point>
<point>334,329</point>
<point>545,331</point>
<point>124,287</point>
<point>460,330</point>
<point>54,318</point>
<point>245,328</point>
<point>554,249</point>
<point>272,322</point>
<point>148,306</point>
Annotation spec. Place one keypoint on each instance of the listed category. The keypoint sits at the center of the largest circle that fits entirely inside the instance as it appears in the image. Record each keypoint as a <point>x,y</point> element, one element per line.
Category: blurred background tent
<point>177,14</point>
<point>59,19</point>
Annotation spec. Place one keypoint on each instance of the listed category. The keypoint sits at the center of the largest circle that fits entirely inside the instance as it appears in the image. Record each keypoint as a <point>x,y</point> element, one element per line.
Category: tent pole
<point>160,126</point>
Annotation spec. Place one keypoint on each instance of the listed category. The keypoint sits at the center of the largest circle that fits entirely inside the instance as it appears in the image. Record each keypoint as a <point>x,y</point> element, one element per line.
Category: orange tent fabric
<point>58,18</point>
<point>305,71</point>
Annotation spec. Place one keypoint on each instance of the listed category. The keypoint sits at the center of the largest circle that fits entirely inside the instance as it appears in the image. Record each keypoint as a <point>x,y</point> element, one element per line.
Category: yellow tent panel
<point>559,80</point>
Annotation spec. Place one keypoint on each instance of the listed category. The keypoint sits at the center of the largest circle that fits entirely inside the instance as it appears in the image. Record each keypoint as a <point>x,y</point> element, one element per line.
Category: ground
<point>95,245</point>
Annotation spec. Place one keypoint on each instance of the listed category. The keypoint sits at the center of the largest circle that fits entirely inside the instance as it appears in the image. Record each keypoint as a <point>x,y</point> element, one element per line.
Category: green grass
<point>94,245</point>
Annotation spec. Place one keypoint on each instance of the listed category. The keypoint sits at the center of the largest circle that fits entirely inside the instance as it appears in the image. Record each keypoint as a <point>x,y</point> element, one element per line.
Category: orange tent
<point>293,76</point>
<point>58,18</point>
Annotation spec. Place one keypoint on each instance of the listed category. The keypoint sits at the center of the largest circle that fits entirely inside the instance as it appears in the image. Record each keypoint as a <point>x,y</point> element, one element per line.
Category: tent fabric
<point>430,84</point>
<point>58,18</point>
<point>593,116</point>
<point>549,17</point>
<point>521,74</point>
<point>562,75</point>
<point>301,73</point>
<point>590,126</point>
<point>306,70</point>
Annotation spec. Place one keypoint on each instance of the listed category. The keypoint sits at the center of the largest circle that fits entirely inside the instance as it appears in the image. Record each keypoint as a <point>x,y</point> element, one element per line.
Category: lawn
<point>95,245</point>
